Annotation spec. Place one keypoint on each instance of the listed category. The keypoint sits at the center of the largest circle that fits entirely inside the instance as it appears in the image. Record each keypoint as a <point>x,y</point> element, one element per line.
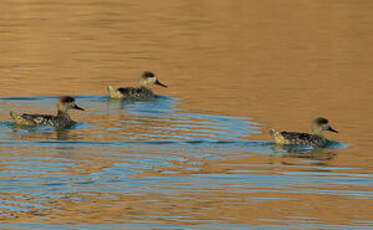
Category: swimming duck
<point>144,90</point>
<point>61,120</point>
<point>317,138</point>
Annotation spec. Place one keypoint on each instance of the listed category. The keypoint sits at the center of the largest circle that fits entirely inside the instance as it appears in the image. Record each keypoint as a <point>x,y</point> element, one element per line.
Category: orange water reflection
<point>280,62</point>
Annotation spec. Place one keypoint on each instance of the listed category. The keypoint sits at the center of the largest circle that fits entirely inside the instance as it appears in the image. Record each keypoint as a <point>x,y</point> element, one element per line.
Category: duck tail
<point>17,117</point>
<point>20,119</point>
<point>13,115</point>
<point>110,90</point>
<point>113,93</point>
<point>277,136</point>
<point>274,133</point>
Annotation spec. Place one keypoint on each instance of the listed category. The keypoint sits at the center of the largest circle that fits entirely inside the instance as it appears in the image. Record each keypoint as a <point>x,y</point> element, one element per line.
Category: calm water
<point>199,156</point>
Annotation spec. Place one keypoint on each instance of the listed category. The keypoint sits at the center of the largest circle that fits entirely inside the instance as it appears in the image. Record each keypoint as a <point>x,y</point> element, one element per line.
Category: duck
<point>316,138</point>
<point>144,91</point>
<point>60,120</point>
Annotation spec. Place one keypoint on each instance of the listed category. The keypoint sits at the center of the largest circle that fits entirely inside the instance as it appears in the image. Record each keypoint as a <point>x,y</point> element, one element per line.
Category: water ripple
<point>122,151</point>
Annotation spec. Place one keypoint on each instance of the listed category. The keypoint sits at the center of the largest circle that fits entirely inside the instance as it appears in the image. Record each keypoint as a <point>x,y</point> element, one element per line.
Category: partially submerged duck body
<point>41,119</point>
<point>131,92</point>
<point>294,138</point>
<point>144,91</point>
<point>61,120</point>
<point>315,139</point>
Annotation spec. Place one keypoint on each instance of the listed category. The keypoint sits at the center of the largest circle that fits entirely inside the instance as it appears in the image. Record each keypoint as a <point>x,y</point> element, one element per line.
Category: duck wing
<point>303,138</point>
<point>295,135</point>
<point>32,119</point>
<point>135,92</point>
<point>40,119</point>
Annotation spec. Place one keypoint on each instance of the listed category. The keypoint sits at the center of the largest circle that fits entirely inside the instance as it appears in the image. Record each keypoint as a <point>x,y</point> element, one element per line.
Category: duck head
<point>148,78</point>
<point>321,124</point>
<point>66,103</point>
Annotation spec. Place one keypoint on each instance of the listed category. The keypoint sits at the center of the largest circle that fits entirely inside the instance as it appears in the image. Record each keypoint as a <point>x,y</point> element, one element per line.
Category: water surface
<point>198,157</point>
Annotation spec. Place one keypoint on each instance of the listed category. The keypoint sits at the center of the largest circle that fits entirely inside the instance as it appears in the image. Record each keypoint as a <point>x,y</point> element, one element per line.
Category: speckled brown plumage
<point>61,120</point>
<point>315,139</point>
<point>303,138</point>
<point>143,92</point>
<point>136,93</point>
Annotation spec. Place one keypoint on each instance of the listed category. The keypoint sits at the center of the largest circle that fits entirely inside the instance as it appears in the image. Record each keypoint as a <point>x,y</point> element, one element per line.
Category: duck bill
<point>159,83</point>
<point>78,108</point>
<point>332,130</point>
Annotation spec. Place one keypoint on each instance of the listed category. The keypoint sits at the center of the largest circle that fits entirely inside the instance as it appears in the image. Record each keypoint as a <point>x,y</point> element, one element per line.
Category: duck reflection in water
<point>33,133</point>
<point>304,152</point>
